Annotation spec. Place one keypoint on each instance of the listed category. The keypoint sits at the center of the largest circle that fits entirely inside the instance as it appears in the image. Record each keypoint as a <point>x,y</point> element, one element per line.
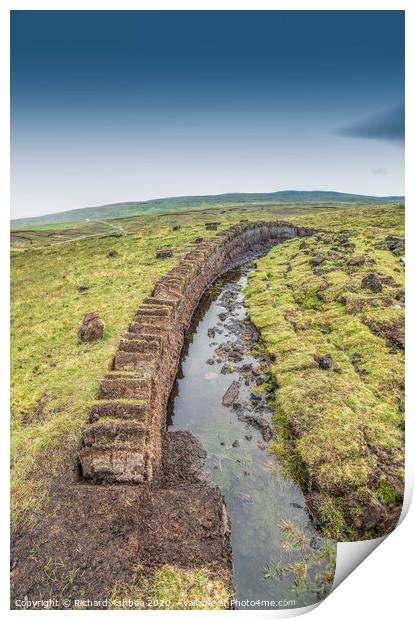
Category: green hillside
<point>160,205</point>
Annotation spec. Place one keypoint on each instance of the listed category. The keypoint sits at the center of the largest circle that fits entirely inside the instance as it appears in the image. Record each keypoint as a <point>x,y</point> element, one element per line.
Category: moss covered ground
<point>335,339</point>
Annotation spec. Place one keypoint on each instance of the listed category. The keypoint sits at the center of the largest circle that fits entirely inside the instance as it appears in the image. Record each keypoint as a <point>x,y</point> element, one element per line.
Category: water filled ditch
<point>223,395</point>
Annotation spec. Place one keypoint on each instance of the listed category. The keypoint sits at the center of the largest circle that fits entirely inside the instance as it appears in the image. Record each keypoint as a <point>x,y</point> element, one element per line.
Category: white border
<point>382,585</point>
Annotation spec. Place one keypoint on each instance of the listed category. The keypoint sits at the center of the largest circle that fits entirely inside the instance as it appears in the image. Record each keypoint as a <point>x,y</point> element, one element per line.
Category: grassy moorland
<point>54,374</point>
<point>338,429</point>
<point>55,281</point>
<point>331,314</point>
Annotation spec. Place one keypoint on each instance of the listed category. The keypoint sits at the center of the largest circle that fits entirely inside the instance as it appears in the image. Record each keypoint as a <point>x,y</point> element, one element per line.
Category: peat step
<point>140,345</point>
<point>117,434</point>
<point>123,409</point>
<point>113,465</point>
<point>154,301</point>
<point>153,311</point>
<point>131,360</point>
<point>125,387</point>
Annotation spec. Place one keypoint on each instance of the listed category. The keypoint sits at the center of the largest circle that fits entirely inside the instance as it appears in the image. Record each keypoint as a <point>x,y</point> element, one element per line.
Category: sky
<point>113,106</point>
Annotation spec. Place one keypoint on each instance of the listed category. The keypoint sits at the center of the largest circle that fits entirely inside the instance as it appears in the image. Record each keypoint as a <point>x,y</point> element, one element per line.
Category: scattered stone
<point>395,244</point>
<point>246,367</point>
<point>255,398</point>
<point>356,359</point>
<point>262,425</point>
<point>82,289</point>
<point>227,369</point>
<point>235,444</point>
<point>372,282</point>
<point>210,361</point>
<point>235,356</point>
<point>92,327</point>
<point>212,225</point>
<point>176,227</point>
<point>248,437</point>
<point>198,240</point>
<point>112,254</point>
<point>222,316</point>
<point>270,389</point>
<point>325,362</point>
<point>231,394</point>
<point>211,332</point>
<point>165,253</point>
<point>317,260</point>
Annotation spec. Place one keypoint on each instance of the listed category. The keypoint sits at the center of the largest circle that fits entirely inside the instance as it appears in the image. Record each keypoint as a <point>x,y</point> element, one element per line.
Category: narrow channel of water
<point>223,395</point>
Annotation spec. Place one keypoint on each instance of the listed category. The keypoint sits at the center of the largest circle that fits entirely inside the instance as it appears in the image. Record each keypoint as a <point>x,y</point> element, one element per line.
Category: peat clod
<point>92,327</point>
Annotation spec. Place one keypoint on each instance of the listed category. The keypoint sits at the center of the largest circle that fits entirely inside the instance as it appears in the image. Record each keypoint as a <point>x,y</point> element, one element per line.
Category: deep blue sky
<point>110,106</point>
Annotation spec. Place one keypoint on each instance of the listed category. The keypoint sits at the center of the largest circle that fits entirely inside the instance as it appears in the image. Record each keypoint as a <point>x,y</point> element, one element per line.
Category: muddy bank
<point>92,538</point>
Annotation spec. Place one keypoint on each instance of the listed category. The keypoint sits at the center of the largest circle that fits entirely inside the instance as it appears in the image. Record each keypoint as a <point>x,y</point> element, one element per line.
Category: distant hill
<point>180,203</point>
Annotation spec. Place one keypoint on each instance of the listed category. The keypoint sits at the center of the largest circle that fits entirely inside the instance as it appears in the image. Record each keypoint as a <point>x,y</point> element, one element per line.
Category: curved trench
<point>223,395</point>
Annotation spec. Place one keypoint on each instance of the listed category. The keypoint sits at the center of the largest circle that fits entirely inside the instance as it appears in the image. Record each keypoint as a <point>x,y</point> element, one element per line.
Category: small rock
<point>270,389</point>
<point>227,369</point>
<point>325,362</point>
<point>211,332</point>
<point>112,254</point>
<point>176,227</point>
<point>82,289</point>
<point>317,260</point>
<point>235,444</point>
<point>210,361</point>
<point>198,240</point>
<point>262,425</point>
<point>92,327</point>
<point>231,394</point>
<point>222,316</point>
<point>255,398</point>
<point>246,367</point>
<point>372,282</point>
